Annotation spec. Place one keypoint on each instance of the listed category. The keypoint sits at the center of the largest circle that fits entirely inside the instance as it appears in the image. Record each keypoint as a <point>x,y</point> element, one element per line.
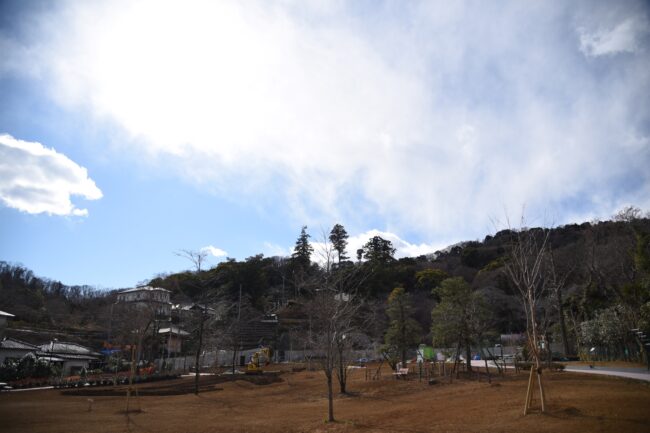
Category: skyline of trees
<point>598,268</point>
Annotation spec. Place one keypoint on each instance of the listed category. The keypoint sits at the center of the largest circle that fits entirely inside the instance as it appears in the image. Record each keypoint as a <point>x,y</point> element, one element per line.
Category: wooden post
<point>128,389</point>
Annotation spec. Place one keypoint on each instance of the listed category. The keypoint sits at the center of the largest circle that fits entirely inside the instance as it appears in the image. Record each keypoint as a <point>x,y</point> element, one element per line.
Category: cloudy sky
<point>130,130</point>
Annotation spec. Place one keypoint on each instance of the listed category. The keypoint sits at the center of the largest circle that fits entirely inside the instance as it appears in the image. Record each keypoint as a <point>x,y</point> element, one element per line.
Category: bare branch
<point>197,257</point>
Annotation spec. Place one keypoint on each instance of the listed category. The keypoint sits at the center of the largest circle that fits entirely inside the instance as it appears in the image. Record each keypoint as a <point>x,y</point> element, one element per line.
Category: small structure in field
<point>174,336</point>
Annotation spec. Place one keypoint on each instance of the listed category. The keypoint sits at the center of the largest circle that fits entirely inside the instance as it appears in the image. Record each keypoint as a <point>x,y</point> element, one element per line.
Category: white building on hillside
<point>146,296</point>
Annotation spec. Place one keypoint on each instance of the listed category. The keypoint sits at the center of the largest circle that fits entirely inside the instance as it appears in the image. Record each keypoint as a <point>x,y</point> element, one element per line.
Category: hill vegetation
<point>597,285</point>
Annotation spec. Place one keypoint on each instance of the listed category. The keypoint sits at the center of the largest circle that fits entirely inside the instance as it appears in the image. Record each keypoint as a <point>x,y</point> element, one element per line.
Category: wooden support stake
<point>529,391</point>
<point>541,389</point>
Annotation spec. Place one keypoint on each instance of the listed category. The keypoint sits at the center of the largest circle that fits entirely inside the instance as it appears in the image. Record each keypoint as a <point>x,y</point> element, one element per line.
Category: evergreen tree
<point>379,250</point>
<point>339,239</point>
<point>459,319</point>
<point>403,331</point>
<point>303,249</point>
<point>429,279</point>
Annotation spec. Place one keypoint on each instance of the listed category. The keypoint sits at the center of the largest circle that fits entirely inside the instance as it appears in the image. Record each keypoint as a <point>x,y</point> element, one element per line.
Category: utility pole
<point>239,307</point>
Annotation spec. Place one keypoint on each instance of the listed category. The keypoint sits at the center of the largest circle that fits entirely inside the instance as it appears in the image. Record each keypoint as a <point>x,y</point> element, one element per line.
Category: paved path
<point>491,364</point>
<point>630,373</point>
<point>31,389</point>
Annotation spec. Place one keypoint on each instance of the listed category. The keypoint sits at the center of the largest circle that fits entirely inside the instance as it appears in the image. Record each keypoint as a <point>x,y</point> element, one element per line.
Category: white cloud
<point>402,248</point>
<point>214,251</point>
<point>429,121</point>
<point>273,250</point>
<point>36,179</point>
<point>624,37</point>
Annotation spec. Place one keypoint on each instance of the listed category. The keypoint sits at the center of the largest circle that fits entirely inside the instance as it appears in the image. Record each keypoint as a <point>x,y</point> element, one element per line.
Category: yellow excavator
<point>259,359</point>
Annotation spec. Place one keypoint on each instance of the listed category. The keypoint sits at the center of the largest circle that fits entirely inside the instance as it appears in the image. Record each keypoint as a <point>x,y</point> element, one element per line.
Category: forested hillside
<point>45,309</point>
<point>597,278</point>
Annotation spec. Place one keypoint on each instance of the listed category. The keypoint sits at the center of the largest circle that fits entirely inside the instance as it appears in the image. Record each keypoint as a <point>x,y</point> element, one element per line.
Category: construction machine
<point>259,359</point>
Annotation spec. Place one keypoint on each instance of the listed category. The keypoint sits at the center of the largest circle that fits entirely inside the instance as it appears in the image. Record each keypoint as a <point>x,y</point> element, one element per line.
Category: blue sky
<point>130,130</point>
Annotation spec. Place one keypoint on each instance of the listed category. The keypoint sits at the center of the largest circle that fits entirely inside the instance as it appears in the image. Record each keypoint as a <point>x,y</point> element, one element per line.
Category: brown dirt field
<point>298,403</point>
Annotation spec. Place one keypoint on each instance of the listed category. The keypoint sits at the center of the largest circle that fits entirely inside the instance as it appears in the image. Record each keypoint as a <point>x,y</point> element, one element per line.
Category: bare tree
<point>525,268</point>
<point>557,281</point>
<point>332,322</point>
<point>344,353</point>
<point>333,314</point>
<point>345,283</point>
<point>136,320</point>
<point>203,319</point>
<point>197,257</point>
<point>241,315</point>
<point>628,214</point>
<point>203,310</point>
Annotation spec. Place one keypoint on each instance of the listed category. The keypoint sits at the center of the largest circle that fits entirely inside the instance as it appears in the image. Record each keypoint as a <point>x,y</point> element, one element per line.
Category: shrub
<point>9,371</point>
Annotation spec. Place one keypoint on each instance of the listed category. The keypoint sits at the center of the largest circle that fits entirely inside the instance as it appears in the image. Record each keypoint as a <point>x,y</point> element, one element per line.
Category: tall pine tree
<point>302,251</point>
<point>339,239</point>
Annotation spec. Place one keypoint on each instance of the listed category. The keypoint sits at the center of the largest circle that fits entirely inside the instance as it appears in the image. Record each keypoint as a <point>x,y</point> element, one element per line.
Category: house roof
<point>5,314</point>
<point>60,352</point>
<point>62,348</point>
<point>194,306</point>
<point>51,358</point>
<point>13,344</point>
<point>173,330</point>
<point>64,356</point>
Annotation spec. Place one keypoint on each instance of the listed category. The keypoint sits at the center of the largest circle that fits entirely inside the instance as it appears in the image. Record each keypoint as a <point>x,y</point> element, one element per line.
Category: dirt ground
<point>298,403</point>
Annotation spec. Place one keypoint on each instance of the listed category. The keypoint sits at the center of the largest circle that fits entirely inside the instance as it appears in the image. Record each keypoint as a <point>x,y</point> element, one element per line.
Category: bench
<point>401,372</point>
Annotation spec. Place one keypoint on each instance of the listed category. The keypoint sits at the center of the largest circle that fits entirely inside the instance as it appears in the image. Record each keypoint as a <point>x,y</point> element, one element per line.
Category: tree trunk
<point>487,370</point>
<point>197,366</point>
<point>330,398</point>
<point>403,332</point>
<point>131,374</point>
<point>565,340</point>
<point>342,376</point>
<point>468,354</point>
<point>234,355</point>
<point>535,351</point>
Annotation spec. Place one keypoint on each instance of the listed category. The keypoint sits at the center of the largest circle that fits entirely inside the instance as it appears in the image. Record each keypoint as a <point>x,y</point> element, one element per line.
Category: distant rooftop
<point>59,347</point>
<point>12,343</point>
<point>173,330</point>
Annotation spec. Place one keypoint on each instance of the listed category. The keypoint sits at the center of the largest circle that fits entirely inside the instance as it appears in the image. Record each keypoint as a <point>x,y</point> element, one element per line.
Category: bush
<point>9,371</point>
